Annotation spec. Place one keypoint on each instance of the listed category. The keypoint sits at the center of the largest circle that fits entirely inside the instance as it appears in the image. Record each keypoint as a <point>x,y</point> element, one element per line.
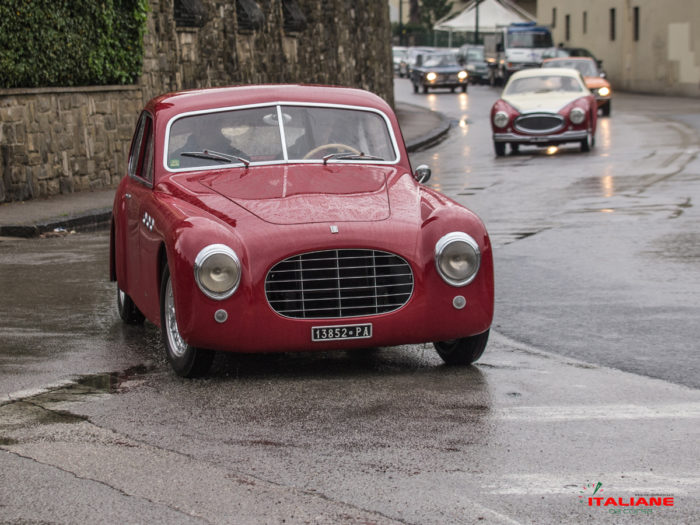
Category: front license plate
<point>346,331</point>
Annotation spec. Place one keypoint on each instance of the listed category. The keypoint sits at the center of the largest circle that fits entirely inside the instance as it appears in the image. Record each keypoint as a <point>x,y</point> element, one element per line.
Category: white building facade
<point>648,46</point>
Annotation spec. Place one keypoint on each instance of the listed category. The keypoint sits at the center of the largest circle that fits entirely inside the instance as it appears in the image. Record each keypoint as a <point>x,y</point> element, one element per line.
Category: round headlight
<point>604,91</point>
<point>500,119</point>
<point>217,271</point>
<point>577,115</point>
<point>457,258</point>
<point>430,77</point>
<point>462,75</point>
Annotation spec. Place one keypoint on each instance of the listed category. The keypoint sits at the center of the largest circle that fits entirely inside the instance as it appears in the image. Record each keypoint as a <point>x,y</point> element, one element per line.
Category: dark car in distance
<point>472,58</point>
<point>439,70</point>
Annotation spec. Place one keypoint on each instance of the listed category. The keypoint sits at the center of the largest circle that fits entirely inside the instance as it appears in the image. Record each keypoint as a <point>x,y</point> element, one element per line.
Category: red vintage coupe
<point>287,218</point>
<point>544,107</point>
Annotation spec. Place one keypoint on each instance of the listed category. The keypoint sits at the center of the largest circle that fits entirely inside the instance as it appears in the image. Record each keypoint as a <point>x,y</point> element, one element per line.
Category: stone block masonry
<point>63,140</point>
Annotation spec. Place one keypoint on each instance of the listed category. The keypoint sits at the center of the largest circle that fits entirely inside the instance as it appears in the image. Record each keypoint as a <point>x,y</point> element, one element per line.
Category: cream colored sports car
<point>544,107</point>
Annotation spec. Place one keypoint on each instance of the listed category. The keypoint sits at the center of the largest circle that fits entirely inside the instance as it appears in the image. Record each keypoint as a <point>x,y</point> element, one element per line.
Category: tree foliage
<point>71,42</point>
<point>433,10</point>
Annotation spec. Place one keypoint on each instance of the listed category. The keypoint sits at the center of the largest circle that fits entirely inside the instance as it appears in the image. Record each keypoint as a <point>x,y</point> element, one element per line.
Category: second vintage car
<point>544,107</point>
<point>287,218</point>
<point>439,70</point>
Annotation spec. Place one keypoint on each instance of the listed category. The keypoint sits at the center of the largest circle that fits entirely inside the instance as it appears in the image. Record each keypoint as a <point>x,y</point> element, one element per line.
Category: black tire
<point>514,148</point>
<point>186,360</point>
<point>463,351</point>
<point>500,148</point>
<point>128,311</point>
<point>415,87</point>
<point>587,143</point>
<point>464,88</point>
<point>425,89</point>
<point>452,90</point>
<point>606,109</point>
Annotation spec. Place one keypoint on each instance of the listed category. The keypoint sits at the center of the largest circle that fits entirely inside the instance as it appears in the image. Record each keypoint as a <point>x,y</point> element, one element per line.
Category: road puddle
<point>51,407</point>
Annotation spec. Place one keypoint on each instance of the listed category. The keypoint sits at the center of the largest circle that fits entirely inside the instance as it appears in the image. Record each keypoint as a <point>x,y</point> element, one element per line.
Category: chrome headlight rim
<point>200,260</point>
<point>502,117</point>
<point>441,246</point>
<point>577,116</point>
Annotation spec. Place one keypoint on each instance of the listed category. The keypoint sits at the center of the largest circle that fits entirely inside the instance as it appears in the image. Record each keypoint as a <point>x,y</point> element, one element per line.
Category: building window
<point>249,15</point>
<point>612,24</point>
<point>294,19</point>
<point>189,13</point>
<point>567,27</point>
<point>636,24</point>
<point>554,17</point>
<point>585,22</point>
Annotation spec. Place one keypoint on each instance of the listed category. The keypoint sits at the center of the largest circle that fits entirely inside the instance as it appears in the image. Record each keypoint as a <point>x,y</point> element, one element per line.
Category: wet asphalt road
<point>597,276</point>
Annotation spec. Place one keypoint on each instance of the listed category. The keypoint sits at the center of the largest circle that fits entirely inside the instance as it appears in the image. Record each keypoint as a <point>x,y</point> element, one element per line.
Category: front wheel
<point>500,148</point>
<point>588,142</point>
<point>128,311</point>
<point>606,109</point>
<point>464,88</point>
<point>186,360</point>
<point>462,351</point>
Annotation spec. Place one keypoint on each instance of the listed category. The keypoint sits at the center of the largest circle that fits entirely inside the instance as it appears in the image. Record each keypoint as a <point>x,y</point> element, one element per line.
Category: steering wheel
<point>338,147</point>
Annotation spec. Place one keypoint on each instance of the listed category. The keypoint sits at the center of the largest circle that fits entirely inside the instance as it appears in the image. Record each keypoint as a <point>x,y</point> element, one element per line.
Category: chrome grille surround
<point>334,284</point>
<point>539,123</point>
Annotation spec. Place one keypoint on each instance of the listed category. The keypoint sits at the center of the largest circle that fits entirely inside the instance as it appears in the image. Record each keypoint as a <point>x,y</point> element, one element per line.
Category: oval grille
<point>339,283</point>
<point>539,123</point>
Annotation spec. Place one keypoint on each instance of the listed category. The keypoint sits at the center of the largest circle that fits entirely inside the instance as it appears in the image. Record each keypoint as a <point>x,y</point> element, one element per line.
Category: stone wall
<point>57,140</point>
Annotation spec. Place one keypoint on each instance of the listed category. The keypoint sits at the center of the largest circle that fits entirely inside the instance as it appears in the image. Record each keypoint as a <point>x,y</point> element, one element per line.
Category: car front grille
<point>539,123</point>
<point>339,283</point>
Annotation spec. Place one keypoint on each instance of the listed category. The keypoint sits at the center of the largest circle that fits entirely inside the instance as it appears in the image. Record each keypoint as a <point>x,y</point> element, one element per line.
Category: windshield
<point>586,67</point>
<point>529,39</point>
<point>441,60</point>
<point>256,135</point>
<point>543,84</point>
<point>475,55</point>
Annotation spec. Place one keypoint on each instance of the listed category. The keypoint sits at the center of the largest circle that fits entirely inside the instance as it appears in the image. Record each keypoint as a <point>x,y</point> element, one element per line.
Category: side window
<point>141,155</point>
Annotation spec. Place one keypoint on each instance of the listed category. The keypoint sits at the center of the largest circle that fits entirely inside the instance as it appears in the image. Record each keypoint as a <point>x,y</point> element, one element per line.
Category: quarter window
<point>141,154</point>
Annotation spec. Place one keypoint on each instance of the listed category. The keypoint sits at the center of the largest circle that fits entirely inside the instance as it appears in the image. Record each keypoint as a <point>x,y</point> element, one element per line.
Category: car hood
<point>307,193</point>
<point>595,82</point>
<point>547,102</point>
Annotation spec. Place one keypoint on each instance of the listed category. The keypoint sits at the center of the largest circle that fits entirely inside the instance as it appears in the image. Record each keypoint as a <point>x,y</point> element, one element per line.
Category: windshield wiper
<point>215,155</point>
<point>349,156</point>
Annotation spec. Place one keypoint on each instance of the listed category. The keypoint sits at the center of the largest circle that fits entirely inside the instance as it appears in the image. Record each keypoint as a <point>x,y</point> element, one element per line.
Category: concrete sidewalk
<point>93,209</point>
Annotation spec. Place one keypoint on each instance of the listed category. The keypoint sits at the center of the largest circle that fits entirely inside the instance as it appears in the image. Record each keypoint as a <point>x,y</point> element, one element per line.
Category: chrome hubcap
<point>177,344</point>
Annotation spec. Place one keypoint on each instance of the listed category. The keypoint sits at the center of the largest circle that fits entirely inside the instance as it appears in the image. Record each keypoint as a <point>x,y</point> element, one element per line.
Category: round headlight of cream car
<point>500,119</point>
<point>217,271</point>
<point>577,115</point>
<point>457,258</point>
<point>430,77</point>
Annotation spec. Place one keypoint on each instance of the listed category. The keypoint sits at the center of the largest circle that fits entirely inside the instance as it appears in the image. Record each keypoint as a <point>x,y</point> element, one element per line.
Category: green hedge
<point>71,42</point>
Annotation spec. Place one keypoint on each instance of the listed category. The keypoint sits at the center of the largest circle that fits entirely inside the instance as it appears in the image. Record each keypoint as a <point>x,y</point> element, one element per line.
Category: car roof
<point>540,72</point>
<point>567,59</point>
<point>212,98</point>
